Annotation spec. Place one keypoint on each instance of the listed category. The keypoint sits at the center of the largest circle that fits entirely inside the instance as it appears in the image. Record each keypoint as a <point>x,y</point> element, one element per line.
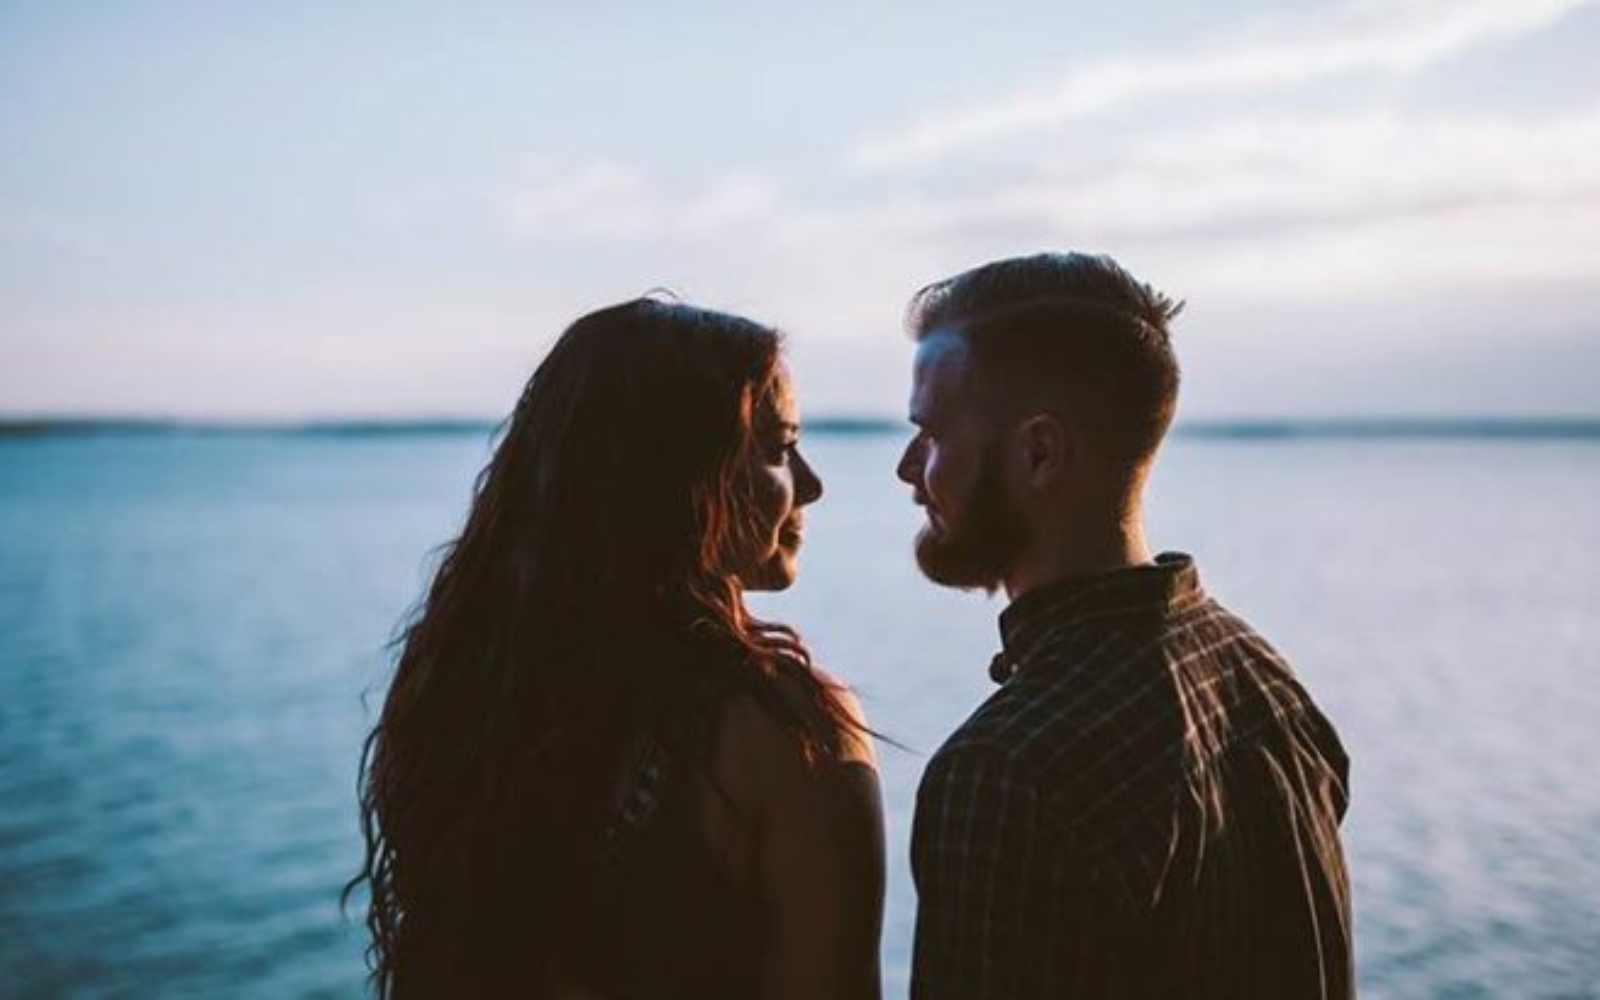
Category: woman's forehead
<point>778,405</point>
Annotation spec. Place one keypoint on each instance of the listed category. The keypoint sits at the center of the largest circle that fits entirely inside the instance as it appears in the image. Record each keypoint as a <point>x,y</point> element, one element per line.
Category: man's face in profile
<point>954,466</point>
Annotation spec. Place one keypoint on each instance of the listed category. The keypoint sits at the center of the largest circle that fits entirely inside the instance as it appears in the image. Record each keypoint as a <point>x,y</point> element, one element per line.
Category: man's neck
<point>1078,553</point>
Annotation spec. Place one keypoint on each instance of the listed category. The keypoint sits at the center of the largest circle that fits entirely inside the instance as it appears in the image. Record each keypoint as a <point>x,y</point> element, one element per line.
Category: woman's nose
<point>807,484</point>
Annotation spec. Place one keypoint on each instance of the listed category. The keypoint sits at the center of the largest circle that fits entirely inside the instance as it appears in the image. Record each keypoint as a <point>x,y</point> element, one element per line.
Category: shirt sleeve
<point>990,907</point>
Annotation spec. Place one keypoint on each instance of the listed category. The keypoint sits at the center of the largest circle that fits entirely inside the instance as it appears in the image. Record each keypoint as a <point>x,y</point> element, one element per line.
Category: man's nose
<point>910,466</point>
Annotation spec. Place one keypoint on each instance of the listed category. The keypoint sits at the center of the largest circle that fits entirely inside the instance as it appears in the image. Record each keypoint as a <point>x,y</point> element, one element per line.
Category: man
<point>1149,804</point>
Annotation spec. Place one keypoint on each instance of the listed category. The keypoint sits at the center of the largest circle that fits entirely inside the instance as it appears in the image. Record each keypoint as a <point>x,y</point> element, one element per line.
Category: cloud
<point>1337,199</point>
<point>1267,206</point>
<point>1308,206</point>
<point>1361,37</point>
<point>560,199</point>
<point>1254,176</point>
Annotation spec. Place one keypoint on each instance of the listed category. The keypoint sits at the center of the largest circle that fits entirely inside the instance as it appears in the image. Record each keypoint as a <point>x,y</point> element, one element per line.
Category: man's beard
<point>979,550</point>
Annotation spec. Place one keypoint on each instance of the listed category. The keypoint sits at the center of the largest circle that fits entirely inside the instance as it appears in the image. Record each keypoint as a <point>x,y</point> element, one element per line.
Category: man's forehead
<point>941,341</point>
<point>941,362</point>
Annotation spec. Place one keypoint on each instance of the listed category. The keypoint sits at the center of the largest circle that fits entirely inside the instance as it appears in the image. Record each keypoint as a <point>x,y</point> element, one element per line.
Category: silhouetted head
<point>631,473</point>
<point>1043,388</point>
<point>648,475</point>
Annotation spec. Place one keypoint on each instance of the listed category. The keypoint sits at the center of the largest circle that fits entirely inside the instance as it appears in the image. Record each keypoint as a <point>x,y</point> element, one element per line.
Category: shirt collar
<point>1169,584</point>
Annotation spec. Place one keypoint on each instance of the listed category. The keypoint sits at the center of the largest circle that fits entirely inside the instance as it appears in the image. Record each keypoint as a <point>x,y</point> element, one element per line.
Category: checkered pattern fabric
<point>1147,807</point>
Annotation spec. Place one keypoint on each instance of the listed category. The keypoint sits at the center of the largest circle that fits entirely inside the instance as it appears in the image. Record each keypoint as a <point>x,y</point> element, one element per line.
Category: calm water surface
<point>189,625</point>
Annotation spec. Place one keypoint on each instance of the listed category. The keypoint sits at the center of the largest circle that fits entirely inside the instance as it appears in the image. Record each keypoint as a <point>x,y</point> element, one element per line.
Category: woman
<point>595,773</point>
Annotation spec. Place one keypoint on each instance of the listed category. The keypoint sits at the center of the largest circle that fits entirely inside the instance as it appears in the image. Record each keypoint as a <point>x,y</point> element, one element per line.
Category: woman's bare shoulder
<point>760,753</point>
<point>854,739</point>
<point>818,838</point>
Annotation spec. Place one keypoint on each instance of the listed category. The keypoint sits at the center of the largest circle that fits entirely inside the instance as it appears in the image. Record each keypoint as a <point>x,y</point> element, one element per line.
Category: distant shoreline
<point>1263,429</point>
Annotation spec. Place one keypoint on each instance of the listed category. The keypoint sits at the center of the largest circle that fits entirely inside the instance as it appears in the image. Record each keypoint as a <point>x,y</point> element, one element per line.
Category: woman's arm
<point>819,853</point>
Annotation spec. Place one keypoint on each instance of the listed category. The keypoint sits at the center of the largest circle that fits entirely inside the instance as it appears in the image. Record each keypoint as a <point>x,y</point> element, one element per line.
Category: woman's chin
<point>777,573</point>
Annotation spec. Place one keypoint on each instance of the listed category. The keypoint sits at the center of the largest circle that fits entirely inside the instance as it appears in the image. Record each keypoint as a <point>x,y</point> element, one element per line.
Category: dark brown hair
<point>1069,330</point>
<point>587,598</point>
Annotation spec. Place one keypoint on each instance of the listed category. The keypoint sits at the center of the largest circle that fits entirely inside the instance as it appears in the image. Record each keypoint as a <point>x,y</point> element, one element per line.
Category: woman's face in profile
<point>781,484</point>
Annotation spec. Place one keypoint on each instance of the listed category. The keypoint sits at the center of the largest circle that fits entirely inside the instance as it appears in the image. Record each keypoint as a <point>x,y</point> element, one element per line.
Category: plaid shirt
<point>1148,807</point>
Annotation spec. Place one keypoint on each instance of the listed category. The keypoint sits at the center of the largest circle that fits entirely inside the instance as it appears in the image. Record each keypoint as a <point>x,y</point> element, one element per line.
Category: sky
<point>303,210</point>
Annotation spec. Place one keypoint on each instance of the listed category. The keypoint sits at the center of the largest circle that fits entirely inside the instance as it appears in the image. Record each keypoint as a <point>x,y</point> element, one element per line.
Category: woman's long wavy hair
<point>589,595</point>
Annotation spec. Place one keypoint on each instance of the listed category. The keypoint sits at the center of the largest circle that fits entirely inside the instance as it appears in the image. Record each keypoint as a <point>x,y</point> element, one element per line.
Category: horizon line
<point>1560,426</point>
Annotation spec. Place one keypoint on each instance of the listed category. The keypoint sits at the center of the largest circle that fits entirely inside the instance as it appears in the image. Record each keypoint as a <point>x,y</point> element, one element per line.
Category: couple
<point>597,775</point>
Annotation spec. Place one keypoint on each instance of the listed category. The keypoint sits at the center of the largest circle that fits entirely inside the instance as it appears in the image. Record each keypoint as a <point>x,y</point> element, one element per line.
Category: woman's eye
<point>785,451</point>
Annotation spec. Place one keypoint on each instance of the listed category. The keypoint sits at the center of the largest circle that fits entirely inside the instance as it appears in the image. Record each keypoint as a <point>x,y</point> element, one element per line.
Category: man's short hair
<point>1066,331</point>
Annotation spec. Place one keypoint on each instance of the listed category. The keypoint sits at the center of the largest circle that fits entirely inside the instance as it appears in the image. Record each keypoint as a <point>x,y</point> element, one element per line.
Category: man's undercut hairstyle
<point>1064,331</point>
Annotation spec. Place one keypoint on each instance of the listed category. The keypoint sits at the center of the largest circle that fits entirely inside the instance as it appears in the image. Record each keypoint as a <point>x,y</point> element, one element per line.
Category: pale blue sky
<point>294,210</point>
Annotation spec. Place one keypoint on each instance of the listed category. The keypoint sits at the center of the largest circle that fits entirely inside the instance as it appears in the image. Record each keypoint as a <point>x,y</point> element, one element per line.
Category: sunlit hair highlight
<point>1070,331</point>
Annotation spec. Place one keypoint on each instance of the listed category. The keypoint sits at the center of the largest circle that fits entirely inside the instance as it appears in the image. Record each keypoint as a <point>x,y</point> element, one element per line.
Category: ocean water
<point>192,634</point>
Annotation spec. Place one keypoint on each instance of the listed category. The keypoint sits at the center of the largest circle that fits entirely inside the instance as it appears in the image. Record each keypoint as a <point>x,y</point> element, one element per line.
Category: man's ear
<point>1045,447</point>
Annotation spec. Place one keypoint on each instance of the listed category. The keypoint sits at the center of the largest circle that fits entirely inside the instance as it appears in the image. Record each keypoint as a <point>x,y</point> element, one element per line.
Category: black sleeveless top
<point>664,918</point>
